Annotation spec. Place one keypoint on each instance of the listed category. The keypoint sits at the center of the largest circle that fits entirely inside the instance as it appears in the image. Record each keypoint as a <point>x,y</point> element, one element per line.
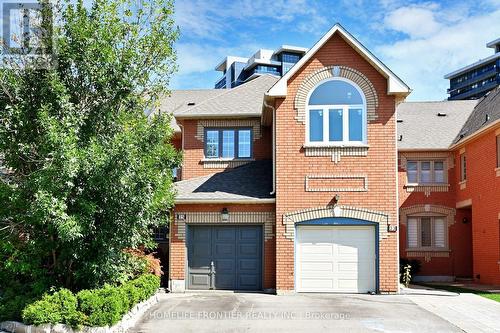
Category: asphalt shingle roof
<point>179,100</point>
<point>245,100</point>
<point>486,111</point>
<point>252,181</point>
<point>422,128</point>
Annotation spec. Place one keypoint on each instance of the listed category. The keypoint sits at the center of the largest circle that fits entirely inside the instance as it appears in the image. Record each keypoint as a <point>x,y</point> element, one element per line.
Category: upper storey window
<point>228,143</point>
<point>336,114</point>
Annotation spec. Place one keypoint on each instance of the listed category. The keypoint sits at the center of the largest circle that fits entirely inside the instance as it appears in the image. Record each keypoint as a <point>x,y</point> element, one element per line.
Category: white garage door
<point>335,259</point>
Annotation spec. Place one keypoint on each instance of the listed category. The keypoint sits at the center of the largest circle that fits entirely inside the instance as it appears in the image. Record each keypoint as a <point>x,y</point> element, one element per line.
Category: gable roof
<point>245,100</point>
<point>420,127</point>
<point>485,114</point>
<point>395,84</point>
<point>252,182</point>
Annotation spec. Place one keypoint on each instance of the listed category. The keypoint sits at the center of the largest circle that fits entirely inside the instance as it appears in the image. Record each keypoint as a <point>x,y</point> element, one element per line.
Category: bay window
<point>228,143</point>
<point>336,114</point>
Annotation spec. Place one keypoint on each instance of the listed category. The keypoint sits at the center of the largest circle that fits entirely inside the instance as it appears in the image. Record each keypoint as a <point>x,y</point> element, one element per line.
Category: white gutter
<point>274,145</point>
<point>224,201</point>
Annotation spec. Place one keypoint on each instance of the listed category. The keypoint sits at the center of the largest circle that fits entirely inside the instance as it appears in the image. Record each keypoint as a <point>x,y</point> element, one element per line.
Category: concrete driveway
<point>248,312</point>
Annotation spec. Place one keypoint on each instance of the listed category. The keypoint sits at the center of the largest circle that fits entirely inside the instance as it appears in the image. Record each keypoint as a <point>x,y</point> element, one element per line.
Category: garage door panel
<point>225,234</point>
<point>312,267</point>
<point>317,249</point>
<point>236,253</point>
<point>317,284</point>
<point>224,249</point>
<point>249,250</point>
<point>249,234</point>
<point>335,258</point>
<point>249,264</point>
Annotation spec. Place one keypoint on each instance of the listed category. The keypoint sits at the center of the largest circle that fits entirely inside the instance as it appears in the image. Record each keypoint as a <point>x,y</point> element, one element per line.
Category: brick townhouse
<point>293,183</point>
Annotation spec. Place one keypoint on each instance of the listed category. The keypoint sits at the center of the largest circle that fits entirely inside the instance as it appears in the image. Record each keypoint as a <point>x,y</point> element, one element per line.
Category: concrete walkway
<point>469,312</point>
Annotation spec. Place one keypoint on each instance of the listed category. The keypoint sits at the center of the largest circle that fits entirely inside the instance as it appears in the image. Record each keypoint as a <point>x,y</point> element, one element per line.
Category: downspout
<point>171,222</point>
<point>273,192</point>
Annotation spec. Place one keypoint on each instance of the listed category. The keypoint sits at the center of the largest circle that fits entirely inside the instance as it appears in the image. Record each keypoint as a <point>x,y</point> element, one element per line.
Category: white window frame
<point>345,118</point>
<point>432,172</point>
<point>433,246</point>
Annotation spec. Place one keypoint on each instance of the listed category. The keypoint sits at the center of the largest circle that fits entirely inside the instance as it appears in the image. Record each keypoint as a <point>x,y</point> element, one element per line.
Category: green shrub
<point>147,285</point>
<point>94,307</point>
<point>60,307</point>
<point>103,306</point>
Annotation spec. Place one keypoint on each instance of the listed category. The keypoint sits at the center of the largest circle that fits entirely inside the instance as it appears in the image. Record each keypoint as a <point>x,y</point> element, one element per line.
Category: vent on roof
<point>399,120</point>
<point>441,114</point>
<point>487,118</point>
<point>191,103</point>
<point>400,138</point>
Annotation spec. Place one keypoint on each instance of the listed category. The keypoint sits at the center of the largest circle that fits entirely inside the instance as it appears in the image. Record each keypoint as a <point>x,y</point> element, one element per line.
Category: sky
<point>420,41</point>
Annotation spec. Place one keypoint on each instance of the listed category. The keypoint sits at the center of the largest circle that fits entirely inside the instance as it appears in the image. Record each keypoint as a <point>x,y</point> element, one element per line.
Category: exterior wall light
<point>224,214</point>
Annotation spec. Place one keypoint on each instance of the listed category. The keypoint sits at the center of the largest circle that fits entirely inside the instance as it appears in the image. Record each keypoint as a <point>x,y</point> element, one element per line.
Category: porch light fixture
<point>224,214</point>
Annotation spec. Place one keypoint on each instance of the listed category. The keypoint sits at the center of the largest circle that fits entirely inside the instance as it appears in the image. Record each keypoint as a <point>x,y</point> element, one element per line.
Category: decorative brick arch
<point>336,71</point>
<point>427,209</point>
<point>290,219</point>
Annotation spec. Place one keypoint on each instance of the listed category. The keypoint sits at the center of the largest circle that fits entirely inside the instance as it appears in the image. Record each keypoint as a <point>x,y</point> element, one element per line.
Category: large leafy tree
<point>91,175</point>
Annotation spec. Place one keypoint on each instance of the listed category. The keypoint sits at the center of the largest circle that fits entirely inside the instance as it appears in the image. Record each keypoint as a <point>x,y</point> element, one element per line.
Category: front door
<point>225,257</point>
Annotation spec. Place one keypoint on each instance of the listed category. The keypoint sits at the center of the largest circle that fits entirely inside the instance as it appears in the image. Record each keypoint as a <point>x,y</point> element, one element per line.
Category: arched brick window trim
<point>336,71</point>
<point>448,212</point>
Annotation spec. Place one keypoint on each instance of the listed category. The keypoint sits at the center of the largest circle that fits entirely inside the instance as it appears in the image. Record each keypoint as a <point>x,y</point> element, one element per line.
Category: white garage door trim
<point>336,258</point>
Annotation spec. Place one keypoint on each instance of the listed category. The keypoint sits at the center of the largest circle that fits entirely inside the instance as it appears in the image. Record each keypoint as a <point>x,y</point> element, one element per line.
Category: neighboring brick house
<point>449,165</point>
<point>292,184</point>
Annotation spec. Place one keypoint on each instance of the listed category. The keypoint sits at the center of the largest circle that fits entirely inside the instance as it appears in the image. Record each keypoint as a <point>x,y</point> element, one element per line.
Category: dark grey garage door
<point>225,257</point>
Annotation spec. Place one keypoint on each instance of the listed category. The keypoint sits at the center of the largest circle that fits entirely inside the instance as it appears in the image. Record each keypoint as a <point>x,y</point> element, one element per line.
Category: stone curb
<point>128,321</point>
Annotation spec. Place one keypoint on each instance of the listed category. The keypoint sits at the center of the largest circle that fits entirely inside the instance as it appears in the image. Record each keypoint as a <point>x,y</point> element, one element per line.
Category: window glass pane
<point>355,124</point>
<point>316,125</point>
<point>425,172</point>
<point>228,143</point>
<point>411,171</point>
<point>425,231</point>
<point>335,124</point>
<point>212,142</point>
<point>439,172</point>
<point>244,143</point>
<point>412,165</point>
<point>439,232</point>
<point>335,92</point>
<point>412,232</point>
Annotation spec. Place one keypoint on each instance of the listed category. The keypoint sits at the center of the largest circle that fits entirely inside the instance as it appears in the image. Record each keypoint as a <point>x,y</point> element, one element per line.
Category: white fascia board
<point>395,84</point>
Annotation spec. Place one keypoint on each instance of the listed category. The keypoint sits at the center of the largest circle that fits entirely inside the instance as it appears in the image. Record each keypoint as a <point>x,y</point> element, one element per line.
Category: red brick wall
<point>292,165</point>
<point>483,188</point>
<point>194,150</point>
<point>178,246</point>
<point>459,263</point>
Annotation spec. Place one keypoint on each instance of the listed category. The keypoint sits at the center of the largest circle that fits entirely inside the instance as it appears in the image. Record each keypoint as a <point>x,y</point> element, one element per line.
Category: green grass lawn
<point>493,296</point>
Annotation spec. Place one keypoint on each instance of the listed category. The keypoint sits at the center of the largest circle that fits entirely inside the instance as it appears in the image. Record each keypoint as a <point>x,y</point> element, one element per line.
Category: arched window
<point>336,114</point>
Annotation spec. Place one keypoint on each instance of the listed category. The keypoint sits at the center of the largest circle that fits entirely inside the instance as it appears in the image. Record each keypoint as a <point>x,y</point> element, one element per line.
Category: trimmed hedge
<point>95,307</point>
